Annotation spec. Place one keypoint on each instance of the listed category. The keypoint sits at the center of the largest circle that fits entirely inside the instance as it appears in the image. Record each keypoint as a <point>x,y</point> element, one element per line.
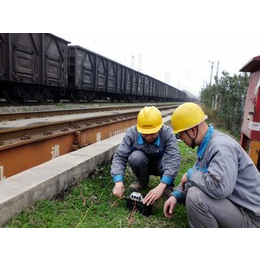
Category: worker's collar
<point>205,141</point>
<point>140,140</point>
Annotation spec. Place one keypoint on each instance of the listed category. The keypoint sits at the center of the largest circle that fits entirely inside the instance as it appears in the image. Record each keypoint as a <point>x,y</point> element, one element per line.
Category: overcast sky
<point>173,41</point>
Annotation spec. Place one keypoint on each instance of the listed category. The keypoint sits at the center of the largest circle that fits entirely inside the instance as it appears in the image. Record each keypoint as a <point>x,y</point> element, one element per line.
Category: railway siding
<point>25,143</point>
<point>53,177</point>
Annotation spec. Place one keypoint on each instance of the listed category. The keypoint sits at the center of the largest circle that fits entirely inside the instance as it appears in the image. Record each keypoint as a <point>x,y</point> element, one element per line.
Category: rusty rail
<point>30,142</point>
<point>39,114</point>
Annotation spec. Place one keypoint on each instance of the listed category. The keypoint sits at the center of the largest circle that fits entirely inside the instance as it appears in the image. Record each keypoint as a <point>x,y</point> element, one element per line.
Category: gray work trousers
<point>143,166</point>
<point>205,211</point>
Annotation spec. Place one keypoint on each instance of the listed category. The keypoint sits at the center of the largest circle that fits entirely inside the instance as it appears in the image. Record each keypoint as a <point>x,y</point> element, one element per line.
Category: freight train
<point>42,66</point>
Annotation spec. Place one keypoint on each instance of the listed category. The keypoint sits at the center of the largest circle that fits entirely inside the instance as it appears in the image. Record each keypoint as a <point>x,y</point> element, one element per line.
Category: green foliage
<point>227,99</point>
<point>92,205</point>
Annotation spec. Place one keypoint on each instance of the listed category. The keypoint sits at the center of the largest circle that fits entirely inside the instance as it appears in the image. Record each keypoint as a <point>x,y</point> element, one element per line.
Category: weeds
<point>91,204</point>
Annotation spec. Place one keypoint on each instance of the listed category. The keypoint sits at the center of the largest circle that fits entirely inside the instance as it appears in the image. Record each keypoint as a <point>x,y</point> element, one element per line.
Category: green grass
<point>92,205</point>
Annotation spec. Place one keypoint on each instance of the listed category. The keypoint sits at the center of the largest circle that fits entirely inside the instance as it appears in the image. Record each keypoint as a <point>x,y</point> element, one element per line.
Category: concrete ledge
<point>51,178</point>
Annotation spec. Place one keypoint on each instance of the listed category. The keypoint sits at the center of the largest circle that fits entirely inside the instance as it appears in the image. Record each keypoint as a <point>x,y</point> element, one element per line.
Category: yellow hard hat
<point>149,120</point>
<point>187,116</point>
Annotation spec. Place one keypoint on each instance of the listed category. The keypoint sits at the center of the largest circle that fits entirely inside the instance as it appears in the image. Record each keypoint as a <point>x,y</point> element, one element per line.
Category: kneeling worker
<point>150,148</point>
<point>223,187</point>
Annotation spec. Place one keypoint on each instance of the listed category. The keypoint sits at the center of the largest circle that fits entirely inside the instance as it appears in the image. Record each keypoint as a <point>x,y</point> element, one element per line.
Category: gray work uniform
<point>160,158</point>
<point>224,185</point>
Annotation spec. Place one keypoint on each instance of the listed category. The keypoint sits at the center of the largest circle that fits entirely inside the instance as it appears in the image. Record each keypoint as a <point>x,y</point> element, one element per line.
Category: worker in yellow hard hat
<point>188,117</point>
<point>150,148</point>
<point>223,187</point>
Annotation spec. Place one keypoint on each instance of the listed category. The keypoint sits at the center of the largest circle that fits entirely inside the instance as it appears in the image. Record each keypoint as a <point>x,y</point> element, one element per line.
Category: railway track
<point>11,116</point>
<point>29,139</point>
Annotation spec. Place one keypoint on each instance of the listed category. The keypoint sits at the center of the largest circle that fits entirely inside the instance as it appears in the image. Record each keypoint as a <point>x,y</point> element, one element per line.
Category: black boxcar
<point>32,66</point>
<point>42,66</point>
<point>92,76</point>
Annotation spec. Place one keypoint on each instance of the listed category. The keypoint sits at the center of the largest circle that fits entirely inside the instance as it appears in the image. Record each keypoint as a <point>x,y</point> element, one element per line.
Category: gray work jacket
<point>164,146</point>
<point>224,170</point>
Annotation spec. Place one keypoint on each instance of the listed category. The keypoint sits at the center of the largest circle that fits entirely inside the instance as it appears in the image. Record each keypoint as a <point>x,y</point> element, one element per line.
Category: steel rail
<point>39,114</point>
<point>24,145</point>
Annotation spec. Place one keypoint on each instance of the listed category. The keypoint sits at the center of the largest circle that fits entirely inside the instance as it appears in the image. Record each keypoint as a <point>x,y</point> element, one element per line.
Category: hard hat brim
<point>187,128</point>
<point>149,131</point>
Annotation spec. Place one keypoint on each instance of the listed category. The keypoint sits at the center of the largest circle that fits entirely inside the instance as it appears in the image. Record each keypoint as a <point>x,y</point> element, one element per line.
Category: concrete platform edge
<point>53,177</point>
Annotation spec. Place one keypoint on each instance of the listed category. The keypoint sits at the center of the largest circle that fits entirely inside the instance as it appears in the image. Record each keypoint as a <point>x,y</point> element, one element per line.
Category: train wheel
<point>90,98</point>
<point>11,96</point>
<point>74,97</point>
<point>43,97</point>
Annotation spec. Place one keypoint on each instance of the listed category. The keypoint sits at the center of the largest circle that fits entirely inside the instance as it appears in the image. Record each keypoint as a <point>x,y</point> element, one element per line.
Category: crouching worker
<point>150,148</point>
<point>223,187</point>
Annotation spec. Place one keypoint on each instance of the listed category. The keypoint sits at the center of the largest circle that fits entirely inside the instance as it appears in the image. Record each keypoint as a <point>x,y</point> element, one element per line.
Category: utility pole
<point>217,72</point>
<point>140,62</point>
<point>133,62</point>
<point>212,65</point>
<point>204,83</point>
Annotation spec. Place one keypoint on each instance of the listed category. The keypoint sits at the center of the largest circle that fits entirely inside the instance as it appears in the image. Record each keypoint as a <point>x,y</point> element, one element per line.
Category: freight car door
<point>24,58</point>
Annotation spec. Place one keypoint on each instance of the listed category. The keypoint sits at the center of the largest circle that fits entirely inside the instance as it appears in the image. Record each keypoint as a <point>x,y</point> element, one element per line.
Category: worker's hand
<point>184,179</point>
<point>169,206</point>
<point>119,189</point>
<point>154,194</point>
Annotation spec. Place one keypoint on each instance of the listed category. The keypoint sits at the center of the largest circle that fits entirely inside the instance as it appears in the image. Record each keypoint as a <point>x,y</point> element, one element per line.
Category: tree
<point>227,99</point>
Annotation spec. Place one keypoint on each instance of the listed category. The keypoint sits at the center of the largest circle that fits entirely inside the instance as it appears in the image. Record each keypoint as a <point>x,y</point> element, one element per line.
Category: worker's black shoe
<point>136,186</point>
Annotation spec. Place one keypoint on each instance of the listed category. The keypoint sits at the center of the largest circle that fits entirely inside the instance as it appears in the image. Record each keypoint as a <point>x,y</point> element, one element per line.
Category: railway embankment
<point>49,179</point>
